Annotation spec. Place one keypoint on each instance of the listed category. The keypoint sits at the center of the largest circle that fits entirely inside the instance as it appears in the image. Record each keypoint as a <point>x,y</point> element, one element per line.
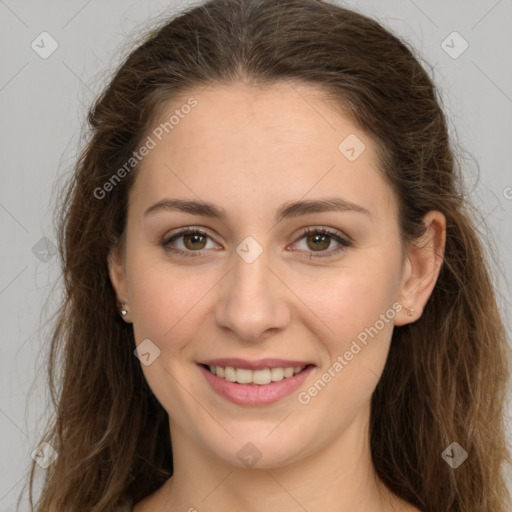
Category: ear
<point>422,264</point>
<point>117,273</point>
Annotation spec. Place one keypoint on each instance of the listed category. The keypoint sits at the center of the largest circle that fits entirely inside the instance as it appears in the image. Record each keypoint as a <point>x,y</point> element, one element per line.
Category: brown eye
<point>319,241</point>
<point>194,241</point>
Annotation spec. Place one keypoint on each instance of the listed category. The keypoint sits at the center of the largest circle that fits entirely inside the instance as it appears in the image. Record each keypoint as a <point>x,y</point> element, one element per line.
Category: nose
<point>253,300</point>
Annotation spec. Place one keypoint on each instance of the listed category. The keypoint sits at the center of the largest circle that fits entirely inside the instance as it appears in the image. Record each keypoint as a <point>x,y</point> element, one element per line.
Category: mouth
<point>259,377</point>
<point>255,383</point>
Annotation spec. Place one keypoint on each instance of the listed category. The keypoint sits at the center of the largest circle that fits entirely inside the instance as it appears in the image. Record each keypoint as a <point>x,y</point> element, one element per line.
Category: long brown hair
<point>446,375</point>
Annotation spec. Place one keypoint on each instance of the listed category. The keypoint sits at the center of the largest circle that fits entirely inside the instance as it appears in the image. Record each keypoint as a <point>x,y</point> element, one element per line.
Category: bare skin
<point>249,152</point>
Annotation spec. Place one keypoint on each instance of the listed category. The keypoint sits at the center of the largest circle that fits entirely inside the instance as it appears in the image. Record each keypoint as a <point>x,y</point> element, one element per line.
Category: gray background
<point>44,104</point>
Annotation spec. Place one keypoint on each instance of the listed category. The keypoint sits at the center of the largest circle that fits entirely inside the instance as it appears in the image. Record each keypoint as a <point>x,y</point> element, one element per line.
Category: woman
<point>276,298</point>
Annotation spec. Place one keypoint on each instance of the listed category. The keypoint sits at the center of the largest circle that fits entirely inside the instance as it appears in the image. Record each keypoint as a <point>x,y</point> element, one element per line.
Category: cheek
<point>355,352</point>
<point>165,303</point>
<point>354,298</point>
<point>166,300</point>
<point>356,308</point>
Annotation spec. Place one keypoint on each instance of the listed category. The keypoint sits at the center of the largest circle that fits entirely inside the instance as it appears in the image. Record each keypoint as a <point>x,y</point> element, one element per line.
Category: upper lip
<point>236,362</point>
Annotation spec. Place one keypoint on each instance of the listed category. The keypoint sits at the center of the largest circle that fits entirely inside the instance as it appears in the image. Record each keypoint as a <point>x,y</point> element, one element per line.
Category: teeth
<point>229,374</point>
<point>276,374</point>
<point>260,377</point>
<point>288,372</point>
<point>243,376</point>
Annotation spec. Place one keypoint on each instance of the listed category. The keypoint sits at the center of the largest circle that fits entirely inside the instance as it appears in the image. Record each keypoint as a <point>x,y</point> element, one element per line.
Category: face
<point>267,285</point>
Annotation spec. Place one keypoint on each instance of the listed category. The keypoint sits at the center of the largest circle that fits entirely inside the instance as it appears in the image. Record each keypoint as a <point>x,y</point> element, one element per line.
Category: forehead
<point>258,143</point>
<point>286,112</point>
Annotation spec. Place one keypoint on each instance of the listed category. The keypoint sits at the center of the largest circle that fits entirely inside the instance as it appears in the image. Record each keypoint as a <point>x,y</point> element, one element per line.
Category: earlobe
<point>423,263</point>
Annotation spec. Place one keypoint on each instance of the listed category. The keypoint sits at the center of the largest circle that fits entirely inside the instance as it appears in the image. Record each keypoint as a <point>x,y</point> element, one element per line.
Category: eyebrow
<point>287,210</point>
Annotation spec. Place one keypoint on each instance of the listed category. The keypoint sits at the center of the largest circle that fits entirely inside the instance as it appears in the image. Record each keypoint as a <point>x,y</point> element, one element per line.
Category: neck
<point>338,477</point>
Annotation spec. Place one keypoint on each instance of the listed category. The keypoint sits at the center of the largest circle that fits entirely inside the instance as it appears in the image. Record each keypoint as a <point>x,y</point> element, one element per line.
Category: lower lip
<point>255,394</point>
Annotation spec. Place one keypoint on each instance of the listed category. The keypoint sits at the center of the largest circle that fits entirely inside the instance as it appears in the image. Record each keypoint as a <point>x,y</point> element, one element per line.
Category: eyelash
<point>344,243</point>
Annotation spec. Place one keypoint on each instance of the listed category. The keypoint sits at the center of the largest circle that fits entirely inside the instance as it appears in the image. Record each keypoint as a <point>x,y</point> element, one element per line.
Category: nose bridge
<point>253,300</point>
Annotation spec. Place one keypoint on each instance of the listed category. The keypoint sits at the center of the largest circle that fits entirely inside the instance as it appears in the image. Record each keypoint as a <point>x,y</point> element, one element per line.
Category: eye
<point>193,241</point>
<point>320,239</point>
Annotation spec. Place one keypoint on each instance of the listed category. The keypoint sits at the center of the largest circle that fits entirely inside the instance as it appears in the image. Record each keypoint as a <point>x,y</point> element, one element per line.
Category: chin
<point>254,448</point>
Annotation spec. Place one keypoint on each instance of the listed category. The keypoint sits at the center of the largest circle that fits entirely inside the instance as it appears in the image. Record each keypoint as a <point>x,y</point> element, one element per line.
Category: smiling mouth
<point>260,377</point>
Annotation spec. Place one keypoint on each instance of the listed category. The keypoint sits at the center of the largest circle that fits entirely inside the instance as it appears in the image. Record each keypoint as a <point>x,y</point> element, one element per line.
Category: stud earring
<point>410,311</point>
<point>123,310</point>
